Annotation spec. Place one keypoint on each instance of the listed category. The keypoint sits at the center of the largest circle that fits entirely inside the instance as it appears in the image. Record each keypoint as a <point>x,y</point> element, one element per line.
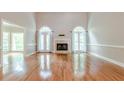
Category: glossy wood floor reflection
<point>57,67</point>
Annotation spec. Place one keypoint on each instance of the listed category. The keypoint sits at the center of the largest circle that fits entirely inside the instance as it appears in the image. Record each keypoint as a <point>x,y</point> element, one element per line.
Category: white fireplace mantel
<point>68,41</point>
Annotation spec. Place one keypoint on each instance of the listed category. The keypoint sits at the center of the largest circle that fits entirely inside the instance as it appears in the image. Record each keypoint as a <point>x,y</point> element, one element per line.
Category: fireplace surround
<point>62,47</point>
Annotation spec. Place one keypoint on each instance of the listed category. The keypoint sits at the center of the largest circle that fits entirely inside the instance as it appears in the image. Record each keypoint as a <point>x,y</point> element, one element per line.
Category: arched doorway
<point>44,40</point>
<point>79,39</point>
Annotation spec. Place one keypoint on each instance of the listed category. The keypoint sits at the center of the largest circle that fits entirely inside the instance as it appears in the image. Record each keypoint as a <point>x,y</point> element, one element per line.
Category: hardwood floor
<point>57,67</point>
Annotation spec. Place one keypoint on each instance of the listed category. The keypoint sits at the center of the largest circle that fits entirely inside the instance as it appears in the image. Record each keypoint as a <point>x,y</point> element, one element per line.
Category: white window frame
<point>45,31</point>
<point>79,30</point>
<point>3,23</point>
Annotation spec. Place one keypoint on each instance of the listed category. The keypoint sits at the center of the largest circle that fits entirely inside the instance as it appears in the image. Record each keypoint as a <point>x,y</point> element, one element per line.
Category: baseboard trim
<point>107,59</point>
<point>31,54</point>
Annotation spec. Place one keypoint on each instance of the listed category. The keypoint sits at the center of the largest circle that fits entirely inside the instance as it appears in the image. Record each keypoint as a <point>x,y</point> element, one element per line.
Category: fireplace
<point>62,46</point>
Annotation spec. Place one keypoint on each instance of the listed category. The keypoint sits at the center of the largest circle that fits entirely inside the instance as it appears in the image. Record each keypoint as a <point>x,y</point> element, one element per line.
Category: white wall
<point>61,23</point>
<point>26,20</point>
<point>106,35</point>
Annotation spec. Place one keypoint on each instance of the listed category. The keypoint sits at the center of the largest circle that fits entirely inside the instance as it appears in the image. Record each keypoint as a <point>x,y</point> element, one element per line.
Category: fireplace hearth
<point>62,46</point>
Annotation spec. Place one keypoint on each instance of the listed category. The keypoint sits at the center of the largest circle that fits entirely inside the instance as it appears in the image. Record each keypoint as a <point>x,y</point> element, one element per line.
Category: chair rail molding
<point>107,45</point>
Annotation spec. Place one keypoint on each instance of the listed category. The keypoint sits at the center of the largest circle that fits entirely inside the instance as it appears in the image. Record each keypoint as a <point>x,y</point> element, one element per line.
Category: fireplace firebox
<point>62,46</point>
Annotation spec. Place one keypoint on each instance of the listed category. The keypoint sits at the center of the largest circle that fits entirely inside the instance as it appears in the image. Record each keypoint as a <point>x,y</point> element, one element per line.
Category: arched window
<point>45,29</point>
<point>44,44</point>
<point>79,39</point>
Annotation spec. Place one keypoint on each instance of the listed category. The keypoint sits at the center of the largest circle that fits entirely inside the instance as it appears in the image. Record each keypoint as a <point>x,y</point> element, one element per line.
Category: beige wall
<point>106,34</point>
<point>26,20</point>
<point>61,23</point>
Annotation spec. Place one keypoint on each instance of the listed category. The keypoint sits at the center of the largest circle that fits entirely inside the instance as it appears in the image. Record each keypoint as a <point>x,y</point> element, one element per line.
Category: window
<point>12,38</point>
<point>6,40</point>
<point>79,39</point>
<point>44,44</point>
<point>17,41</point>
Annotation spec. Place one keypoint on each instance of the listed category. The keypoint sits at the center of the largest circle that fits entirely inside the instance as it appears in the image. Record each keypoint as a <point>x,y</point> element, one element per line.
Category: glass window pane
<point>83,47</point>
<point>48,42</point>
<point>79,39</point>
<point>76,46</point>
<point>45,35</point>
<point>45,29</point>
<point>41,44</point>
<point>75,37</point>
<point>17,42</point>
<point>75,41</point>
<point>83,37</point>
<point>5,41</point>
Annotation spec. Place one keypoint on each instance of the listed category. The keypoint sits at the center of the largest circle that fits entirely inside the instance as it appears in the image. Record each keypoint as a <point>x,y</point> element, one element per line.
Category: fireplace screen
<point>62,46</point>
